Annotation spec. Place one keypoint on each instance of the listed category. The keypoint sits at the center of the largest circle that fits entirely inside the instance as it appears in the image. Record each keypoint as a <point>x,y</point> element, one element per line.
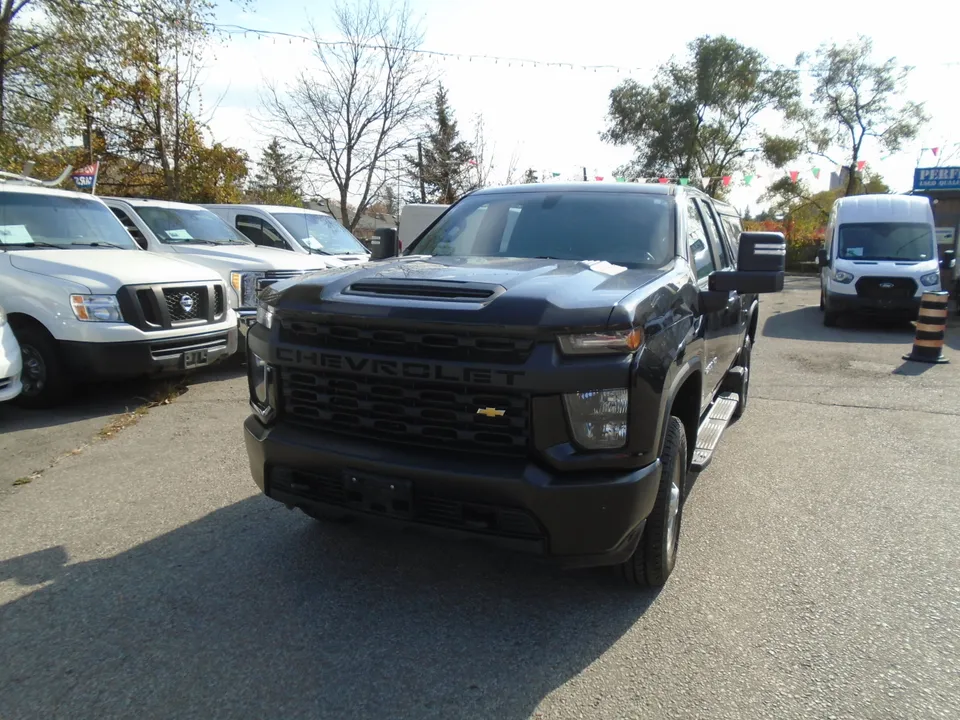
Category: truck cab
<point>540,369</point>
<point>291,228</point>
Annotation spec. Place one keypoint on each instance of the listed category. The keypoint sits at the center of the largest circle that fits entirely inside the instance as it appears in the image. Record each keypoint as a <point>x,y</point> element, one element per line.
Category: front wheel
<point>656,554</point>
<point>744,389</point>
<point>45,383</point>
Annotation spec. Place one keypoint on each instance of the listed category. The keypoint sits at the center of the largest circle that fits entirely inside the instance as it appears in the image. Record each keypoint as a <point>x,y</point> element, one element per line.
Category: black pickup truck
<point>540,368</point>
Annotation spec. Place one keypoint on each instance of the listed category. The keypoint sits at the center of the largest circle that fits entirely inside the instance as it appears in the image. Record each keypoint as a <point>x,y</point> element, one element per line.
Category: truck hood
<point>534,293</point>
<point>225,258</point>
<point>104,271</point>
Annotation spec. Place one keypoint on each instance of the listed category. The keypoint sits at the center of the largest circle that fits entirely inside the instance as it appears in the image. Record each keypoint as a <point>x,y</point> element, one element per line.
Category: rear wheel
<point>45,382</point>
<point>656,554</point>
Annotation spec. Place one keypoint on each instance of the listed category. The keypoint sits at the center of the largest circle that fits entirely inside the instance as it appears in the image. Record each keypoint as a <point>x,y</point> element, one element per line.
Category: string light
<point>237,29</point>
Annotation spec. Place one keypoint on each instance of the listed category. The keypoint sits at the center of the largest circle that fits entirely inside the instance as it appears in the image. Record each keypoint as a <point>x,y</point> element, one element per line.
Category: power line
<point>231,29</point>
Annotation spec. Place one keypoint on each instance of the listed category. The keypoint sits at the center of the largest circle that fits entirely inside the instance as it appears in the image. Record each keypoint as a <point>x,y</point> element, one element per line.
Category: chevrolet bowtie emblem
<point>491,412</point>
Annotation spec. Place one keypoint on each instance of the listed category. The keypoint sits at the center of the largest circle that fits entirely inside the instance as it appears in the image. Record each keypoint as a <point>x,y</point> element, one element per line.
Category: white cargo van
<point>196,234</point>
<point>10,363</point>
<point>86,303</point>
<point>292,228</point>
<point>879,256</point>
<point>415,218</point>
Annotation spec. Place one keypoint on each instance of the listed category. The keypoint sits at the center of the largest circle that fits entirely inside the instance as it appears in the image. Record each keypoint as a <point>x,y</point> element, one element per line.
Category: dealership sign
<point>936,178</point>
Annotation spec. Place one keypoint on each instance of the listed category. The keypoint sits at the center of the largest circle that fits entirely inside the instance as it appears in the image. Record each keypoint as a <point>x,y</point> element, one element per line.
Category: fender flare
<point>693,365</point>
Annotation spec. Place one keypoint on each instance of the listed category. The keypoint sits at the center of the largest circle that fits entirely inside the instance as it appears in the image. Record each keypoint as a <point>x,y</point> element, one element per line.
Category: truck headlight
<point>260,378</point>
<point>842,277</point>
<point>96,308</point>
<point>265,314</point>
<point>601,343</point>
<point>598,418</point>
<point>931,279</point>
<point>245,283</point>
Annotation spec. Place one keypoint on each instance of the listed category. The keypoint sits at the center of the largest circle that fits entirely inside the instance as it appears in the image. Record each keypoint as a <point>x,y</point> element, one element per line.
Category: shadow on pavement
<point>256,612</point>
<point>108,399</point>
<point>807,324</point>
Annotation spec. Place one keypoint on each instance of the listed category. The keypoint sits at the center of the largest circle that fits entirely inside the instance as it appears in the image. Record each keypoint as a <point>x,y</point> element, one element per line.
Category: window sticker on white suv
<point>179,235</point>
<point>312,242</point>
<point>15,235</point>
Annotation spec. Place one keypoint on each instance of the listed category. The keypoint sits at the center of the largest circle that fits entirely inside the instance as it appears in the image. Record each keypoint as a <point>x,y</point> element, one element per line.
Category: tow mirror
<point>761,262</point>
<point>384,244</point>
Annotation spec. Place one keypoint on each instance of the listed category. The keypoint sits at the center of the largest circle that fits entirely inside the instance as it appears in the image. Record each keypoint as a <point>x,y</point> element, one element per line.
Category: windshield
<point>320,234</point>
<point>628,229</point>
<point>886,241</point>
<point>178,226</point>
<point>34,220</point>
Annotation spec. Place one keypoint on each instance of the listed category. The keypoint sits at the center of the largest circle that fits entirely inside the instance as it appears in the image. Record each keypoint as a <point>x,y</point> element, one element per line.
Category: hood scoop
<point>443,290</point>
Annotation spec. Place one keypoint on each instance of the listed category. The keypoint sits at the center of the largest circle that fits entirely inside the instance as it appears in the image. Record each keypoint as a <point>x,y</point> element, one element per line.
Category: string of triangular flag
<point>726,180</point>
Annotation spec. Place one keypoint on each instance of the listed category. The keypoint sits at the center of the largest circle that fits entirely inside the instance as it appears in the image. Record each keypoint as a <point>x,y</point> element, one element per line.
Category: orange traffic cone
<point>931,328</point>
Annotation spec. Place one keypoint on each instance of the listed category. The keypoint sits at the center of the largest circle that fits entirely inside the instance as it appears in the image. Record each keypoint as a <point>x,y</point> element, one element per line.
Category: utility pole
<point>423,191</point>
<point>584,174</point>
<point>89,138</point>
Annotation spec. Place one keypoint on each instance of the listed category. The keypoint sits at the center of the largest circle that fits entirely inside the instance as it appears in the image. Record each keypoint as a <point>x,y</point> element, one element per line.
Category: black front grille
<point>886,288</point>
<point>410,342</point>
<point>163,307</point>
<point>274,276</point>
<point>184,304</point>
<point>427,507</point>
<point>390,409</point>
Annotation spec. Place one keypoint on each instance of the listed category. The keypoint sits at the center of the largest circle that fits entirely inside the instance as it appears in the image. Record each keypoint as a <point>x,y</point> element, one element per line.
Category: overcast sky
<point>552,117</point>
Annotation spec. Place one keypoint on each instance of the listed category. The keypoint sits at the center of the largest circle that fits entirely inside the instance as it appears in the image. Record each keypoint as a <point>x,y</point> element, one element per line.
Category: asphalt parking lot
<point>819,574</point>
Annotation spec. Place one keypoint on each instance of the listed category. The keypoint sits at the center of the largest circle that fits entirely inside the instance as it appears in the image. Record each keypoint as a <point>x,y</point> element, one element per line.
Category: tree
<point>277,181</point>
<point>530,176</point>
<point>444,170</point>
<point>390,201</point>
<point>856,99</point>
<point>700,118</point>
<point>359,110</point>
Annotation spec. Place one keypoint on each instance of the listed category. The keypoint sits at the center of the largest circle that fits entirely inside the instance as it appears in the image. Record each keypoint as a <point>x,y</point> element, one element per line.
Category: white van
<point>196,234</point>
<point>879,256</point>
<point>292,228</point>
<point>10,363</point>
<point>415,218</point>
<point>86,303</point>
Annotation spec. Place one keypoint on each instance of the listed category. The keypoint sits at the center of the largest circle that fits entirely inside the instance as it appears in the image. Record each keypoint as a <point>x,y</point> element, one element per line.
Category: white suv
<point>196,234</point>
<point>86,303</point>
<point>9,361</point>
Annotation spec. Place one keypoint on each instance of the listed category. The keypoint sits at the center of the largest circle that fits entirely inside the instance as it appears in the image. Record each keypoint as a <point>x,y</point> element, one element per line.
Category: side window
<point>698,242</point>
<point>714,232</point>
<point>733,235</point>
<point>260,232</point>
<point>131,227</point>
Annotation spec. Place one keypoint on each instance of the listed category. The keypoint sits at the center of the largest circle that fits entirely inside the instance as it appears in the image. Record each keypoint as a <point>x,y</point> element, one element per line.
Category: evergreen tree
<point>445,168</point>
<point>277,181</point>
<point>530,176</point>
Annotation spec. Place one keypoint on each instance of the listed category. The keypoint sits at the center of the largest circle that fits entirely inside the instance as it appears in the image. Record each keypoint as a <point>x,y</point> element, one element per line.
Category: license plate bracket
<point>195,358</point>
<point>379,495</point>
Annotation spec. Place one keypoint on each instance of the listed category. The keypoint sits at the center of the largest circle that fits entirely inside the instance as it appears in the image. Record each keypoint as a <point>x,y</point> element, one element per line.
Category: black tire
<point>45,381</point>
<point>656,554</point>
<point>823,304</point>
<point>744,391</point>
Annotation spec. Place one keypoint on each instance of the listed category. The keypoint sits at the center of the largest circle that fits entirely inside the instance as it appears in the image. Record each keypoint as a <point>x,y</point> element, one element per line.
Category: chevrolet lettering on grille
<point>411,370</point>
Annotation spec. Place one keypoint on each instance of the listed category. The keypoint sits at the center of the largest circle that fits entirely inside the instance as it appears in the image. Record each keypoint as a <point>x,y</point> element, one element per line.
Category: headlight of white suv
<point>842,277</point>
<point>96,308</point>
<point>930,279</point>
<point>245,283</point>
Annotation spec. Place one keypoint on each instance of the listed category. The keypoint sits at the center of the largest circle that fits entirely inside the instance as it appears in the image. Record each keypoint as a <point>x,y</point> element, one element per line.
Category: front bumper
<point>578,519</point>
<point>102,361</point>
<point>841,302</point>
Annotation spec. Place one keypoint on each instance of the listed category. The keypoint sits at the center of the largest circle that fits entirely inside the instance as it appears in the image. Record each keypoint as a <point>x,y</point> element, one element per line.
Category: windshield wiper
<point>100,243</point>
<point>35,243</point>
